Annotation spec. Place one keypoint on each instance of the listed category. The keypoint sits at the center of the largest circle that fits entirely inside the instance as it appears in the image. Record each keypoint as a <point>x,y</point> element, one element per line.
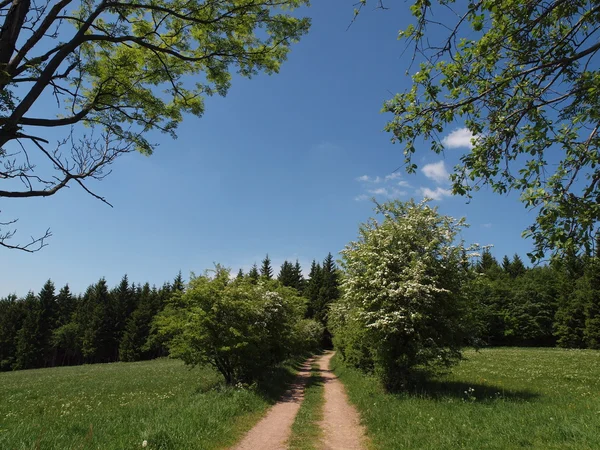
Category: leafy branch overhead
<point>123,69</point>
<point>522,76</point>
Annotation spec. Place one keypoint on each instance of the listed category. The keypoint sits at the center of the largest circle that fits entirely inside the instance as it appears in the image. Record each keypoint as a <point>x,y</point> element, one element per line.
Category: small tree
<point>240,328</point>
<point>402,306</point>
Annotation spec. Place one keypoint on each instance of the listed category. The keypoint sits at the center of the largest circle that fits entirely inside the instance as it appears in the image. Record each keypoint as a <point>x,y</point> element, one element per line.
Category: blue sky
<point>283,165</point>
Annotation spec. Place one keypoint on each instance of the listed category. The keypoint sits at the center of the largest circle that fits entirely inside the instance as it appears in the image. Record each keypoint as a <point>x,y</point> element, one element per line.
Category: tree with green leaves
<point>403,304</point>
<point>118,70</point>
<point>522,78</point>
<point>240,328</point>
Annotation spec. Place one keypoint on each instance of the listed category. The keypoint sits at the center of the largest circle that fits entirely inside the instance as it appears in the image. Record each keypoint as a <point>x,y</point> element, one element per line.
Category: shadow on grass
<point>435,389</point>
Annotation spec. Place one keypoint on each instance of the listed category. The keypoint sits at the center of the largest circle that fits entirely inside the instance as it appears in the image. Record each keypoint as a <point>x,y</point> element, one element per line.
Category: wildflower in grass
<point>144,443</point>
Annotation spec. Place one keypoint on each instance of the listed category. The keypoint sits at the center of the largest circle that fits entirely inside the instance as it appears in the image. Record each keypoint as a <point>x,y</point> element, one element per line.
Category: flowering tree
<point>240,328</point>
<point>403,306</point>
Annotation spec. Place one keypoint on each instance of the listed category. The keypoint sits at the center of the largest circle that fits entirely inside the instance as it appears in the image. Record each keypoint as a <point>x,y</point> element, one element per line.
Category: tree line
<point>508,304</point>
<point>56,327</point>
<point>553,305</point>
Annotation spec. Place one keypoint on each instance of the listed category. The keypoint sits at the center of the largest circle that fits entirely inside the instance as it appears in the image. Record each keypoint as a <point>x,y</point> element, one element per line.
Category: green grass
<point>305,430</point>
<point>504,398</point>
<point>120,405</point>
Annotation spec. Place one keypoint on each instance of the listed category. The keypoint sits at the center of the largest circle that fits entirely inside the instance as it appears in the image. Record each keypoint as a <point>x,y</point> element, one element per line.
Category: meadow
<point>500,398</point>
<point>121,405</point>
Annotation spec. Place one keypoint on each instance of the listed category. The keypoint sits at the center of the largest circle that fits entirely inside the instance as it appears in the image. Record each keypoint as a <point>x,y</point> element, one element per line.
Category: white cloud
<point>486,225</point>
<point>387,186</point>
<point>393,176</point>
<point>436,194</point>
<point>460,138</point>
<point>368,179</point>
<point>436,172</point>
<point>380,191</point>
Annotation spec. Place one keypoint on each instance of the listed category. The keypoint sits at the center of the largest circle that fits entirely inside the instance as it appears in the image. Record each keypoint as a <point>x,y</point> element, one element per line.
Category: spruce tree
<point>12,314</point>
<point>313,286</point>
<point>517,268</point>
<point>119,308</point>
<point>506,265</point>
<point>300,282</point>
<point>66,333</point>
<point>178,284</point>
<point>329,291</point>
<point>253,274</point>
<point>286,275</point>
<point>30,345</point>
<point>137,330</point>
<point>266,271</point>
<point>240,275</point>
<point>592,308</point>
<point>48,313</point>
<point>488,263</point>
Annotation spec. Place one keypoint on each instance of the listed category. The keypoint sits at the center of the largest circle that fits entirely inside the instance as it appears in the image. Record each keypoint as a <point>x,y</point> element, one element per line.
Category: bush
<point>309,335</point>
<point>402,306</point>
<point>240,328</point>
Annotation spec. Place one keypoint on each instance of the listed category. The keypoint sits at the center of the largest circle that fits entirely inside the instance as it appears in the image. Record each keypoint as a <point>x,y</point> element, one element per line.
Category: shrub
<point>240,328</point>
<point>402,306</point>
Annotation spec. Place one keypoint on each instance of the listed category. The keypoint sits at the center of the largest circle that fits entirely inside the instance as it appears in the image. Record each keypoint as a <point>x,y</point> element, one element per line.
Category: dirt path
<point>341,423</point>
<point>272,432</point>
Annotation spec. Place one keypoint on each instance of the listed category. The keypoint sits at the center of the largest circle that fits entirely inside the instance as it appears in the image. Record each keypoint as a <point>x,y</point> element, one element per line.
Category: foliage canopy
<point>403,305</point>
<point>522,76</point>
<point>122,69</point>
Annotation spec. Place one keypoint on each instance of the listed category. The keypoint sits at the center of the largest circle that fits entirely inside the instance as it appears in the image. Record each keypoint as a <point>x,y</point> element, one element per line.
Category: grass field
<point>121,405</point>
<point>496,399</point>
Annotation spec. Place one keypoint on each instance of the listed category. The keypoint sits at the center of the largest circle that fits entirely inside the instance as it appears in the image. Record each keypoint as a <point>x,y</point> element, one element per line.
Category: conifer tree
<point>65,335</point>
<point>12,314</point>
<point>286,275</point>
<point>266,271</point>
<point>592,308</point>
<point>240,275</point>
<point>517,267</point>
<point>178,284</point>
<point>137,329</point>
<point>506,265</point>
<point>313,286</point>
<point>253,274</point>
<point>488,263</point>
<point>300,282</point>
<point>48,313</point>
<point>30,346</point>
<point>65,306</point>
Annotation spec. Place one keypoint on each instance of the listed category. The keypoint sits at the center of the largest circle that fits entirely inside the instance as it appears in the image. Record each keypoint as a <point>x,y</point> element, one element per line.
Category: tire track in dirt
<point>341,423</point>
<point>274,430</point>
